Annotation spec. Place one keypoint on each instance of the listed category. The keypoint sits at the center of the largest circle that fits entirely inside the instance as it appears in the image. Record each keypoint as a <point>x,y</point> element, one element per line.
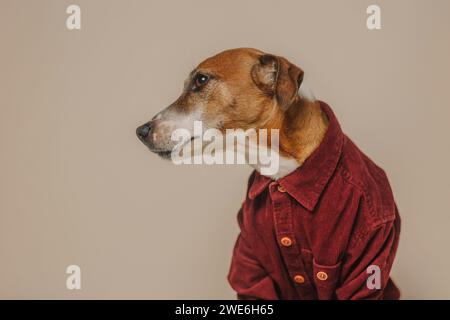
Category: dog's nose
<point>142,131</point>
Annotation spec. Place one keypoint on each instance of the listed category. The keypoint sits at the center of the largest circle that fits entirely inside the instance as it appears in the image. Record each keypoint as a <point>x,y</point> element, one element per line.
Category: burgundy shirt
<point>317,232</point>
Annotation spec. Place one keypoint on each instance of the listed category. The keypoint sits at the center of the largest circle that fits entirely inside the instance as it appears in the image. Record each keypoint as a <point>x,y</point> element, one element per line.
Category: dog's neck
<point>302,128</point>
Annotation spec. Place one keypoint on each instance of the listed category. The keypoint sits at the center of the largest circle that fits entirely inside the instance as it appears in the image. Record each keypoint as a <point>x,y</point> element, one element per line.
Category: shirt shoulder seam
<point>376,220</point>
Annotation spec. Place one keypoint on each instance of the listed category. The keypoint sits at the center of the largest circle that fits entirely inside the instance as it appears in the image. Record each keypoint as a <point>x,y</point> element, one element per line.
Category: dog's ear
<point>277,77</point>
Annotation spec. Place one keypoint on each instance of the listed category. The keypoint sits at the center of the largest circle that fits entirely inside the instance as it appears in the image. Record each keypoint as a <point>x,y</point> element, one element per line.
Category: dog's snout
<point>142,131</point>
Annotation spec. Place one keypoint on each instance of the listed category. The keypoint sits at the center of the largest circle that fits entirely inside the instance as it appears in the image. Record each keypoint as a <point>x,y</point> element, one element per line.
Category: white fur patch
<point>306,93</point>
<point>285,166</point>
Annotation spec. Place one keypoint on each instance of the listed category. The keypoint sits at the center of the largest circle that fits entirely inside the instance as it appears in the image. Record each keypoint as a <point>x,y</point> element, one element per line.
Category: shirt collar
<point>307,183</point>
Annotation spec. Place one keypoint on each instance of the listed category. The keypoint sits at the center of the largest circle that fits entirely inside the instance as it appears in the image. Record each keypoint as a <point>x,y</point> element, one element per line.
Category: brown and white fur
<point>242,89</point>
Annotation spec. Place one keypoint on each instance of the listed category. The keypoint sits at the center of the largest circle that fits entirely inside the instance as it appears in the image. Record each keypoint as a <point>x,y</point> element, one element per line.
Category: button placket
<point>282,214</point>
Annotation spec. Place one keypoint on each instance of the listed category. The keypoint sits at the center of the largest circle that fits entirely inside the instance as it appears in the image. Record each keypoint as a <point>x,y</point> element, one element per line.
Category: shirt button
<point>281,189</point>
<point>299,279</point>
<point>286,241</point>
<point>322,276</point>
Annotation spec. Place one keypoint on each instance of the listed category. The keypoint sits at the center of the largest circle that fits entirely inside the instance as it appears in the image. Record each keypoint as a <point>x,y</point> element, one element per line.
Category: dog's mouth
<point>164,154</point>
<point>167,154</point>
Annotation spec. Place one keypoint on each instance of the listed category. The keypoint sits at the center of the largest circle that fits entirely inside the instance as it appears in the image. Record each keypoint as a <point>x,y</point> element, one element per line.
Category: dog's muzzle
<point>144,134</point>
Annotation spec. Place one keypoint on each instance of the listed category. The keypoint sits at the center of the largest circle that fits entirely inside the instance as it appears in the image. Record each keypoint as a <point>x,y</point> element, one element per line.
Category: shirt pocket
<point>326,279</point>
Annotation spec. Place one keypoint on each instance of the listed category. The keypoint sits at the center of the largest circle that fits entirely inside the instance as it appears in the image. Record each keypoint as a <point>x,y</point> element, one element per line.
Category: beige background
<point>77,187</point>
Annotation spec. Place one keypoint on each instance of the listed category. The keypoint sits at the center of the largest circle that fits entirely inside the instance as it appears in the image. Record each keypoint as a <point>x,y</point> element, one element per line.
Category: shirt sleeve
<point>365,270</point>
<point>247,277</point>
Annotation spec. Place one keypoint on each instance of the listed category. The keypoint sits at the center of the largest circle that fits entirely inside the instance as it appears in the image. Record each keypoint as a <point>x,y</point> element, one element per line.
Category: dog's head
<point>236,89</point>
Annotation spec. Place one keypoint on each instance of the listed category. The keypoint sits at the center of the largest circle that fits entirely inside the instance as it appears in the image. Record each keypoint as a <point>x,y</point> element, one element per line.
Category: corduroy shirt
<point>328,230</point>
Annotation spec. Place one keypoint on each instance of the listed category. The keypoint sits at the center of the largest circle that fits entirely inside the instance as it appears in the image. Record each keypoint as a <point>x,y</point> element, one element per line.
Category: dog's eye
<point>200,80</point>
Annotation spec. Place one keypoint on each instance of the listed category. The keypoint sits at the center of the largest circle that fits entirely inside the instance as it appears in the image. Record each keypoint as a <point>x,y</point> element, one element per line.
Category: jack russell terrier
<point>326,226</point>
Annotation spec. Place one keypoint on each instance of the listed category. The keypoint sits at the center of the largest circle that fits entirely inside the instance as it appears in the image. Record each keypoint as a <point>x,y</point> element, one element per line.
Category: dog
<point>325,225</point>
